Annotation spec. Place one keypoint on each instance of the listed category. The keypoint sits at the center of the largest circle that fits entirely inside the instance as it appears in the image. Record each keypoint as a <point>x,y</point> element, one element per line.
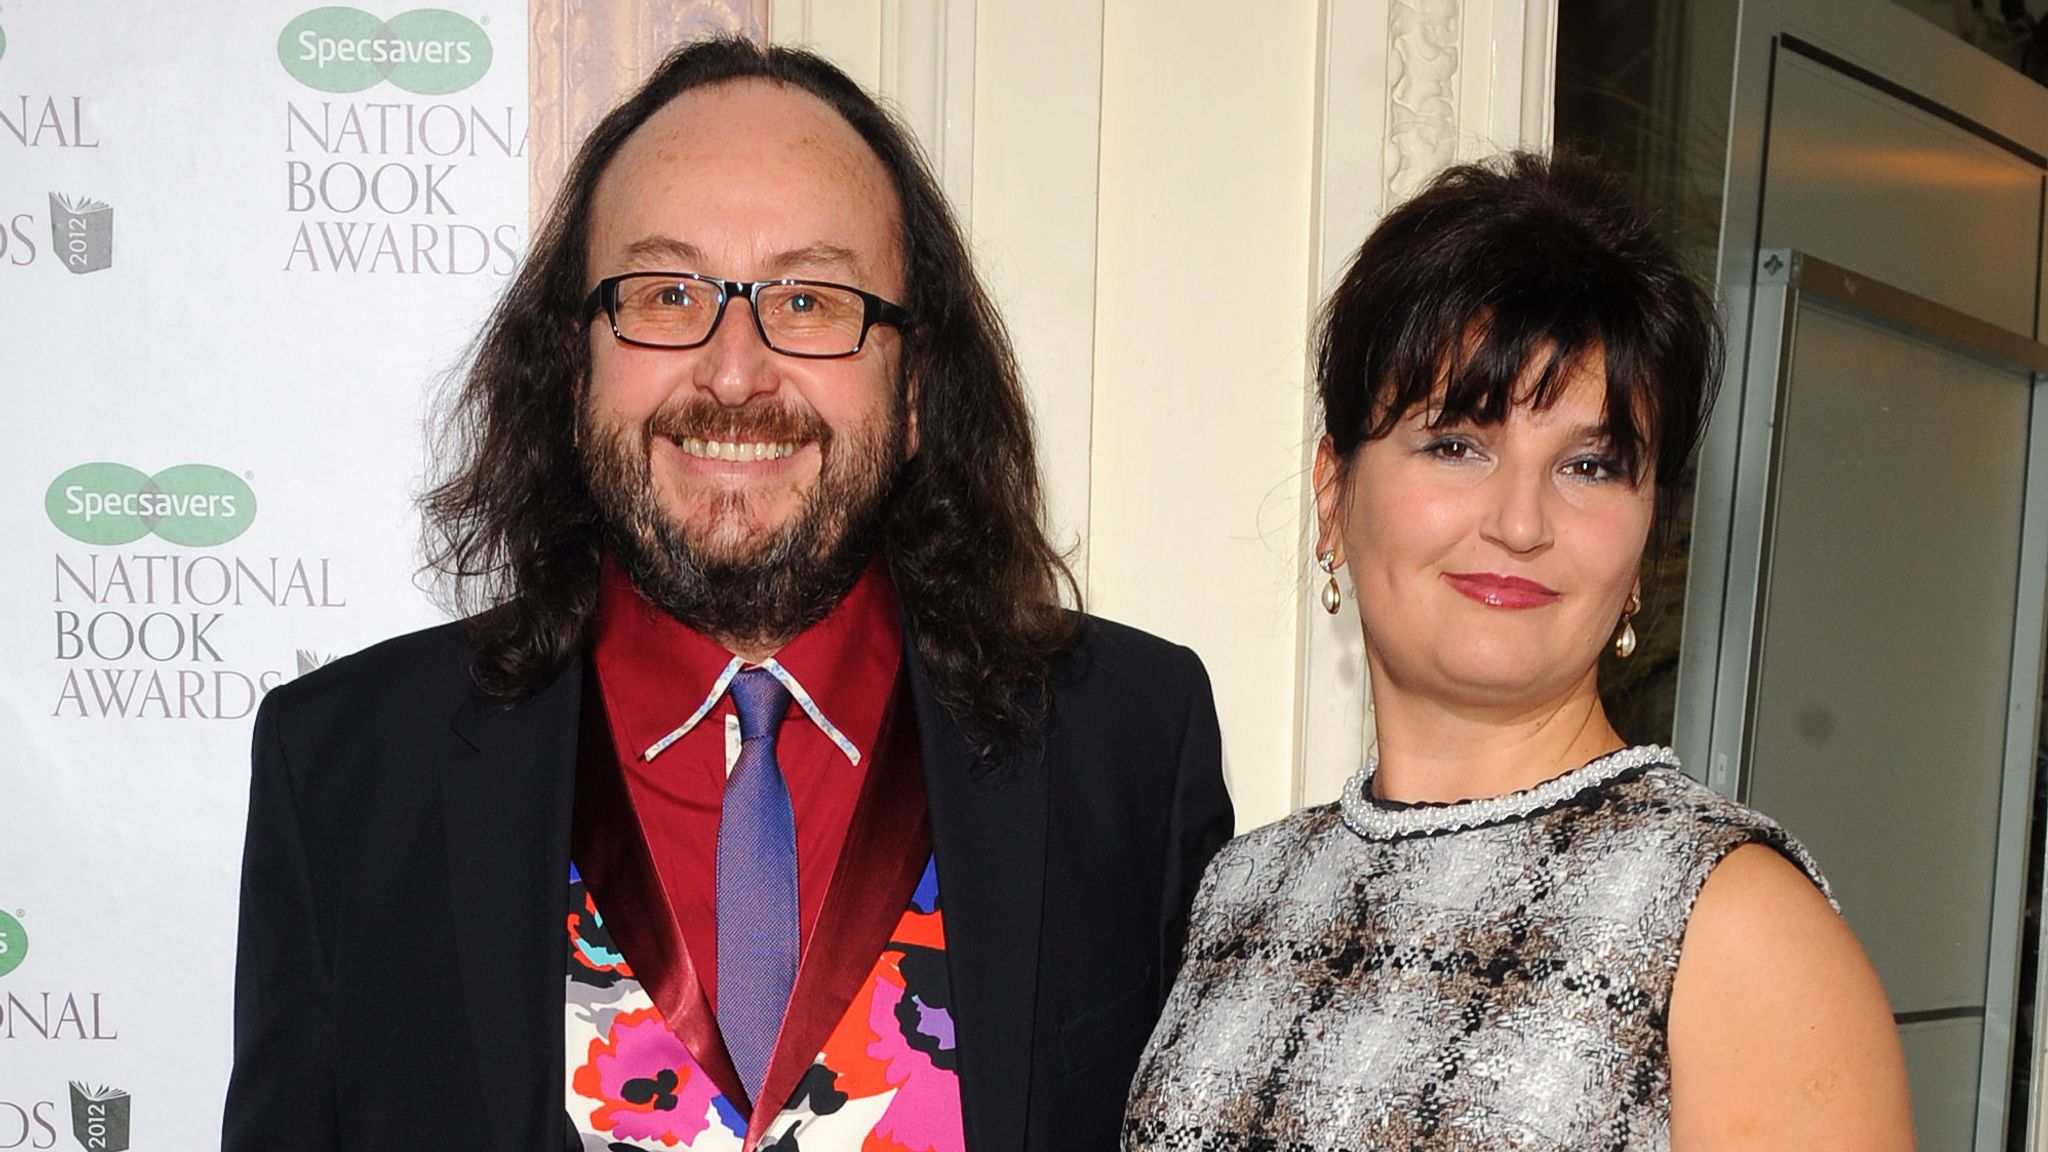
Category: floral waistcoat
<point>884,1082</point>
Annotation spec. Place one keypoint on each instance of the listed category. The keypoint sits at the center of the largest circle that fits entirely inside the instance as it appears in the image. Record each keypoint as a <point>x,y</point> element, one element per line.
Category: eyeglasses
<point>814,319</point>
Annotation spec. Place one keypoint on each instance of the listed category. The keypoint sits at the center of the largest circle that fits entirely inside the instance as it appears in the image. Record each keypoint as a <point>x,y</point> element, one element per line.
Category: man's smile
<point>738,450</point>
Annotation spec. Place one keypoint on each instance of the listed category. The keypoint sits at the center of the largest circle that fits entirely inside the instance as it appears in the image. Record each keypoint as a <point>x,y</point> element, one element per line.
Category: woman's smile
<point>1498,591</point>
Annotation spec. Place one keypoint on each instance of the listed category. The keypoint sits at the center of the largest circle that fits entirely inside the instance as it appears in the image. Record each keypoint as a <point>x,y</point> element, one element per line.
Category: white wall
<point>1158,192</point>
<point>1201,318</point>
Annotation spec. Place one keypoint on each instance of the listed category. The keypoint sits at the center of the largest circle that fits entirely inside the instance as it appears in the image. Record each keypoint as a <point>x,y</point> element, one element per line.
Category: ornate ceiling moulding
<point>1422,93</point>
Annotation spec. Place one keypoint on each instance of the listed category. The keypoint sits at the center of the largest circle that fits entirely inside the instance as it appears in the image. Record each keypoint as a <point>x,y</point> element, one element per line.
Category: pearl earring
<point>1625,644</point>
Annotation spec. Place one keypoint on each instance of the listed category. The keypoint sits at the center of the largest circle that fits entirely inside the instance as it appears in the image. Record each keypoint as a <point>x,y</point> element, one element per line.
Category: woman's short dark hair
<point>514,527</point>
<point>1504,265</point>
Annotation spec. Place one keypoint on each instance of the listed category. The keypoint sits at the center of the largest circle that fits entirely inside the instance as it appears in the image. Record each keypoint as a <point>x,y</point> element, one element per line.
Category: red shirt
<point>653,673</point>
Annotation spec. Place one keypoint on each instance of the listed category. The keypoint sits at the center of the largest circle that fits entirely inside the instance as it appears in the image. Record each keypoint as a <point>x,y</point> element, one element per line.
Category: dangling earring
<point>1333,596</point>
<point>1625,644</point>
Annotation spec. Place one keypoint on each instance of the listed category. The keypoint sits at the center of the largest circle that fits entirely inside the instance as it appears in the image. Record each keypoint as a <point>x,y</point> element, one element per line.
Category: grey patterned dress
<point>1492,974</point>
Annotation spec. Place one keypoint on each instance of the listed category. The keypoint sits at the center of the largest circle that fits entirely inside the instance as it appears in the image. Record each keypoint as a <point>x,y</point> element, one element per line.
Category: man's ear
<point>1325,478</point>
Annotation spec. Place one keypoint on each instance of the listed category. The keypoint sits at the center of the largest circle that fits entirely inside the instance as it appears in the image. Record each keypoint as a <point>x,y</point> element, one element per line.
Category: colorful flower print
<point>646,1086</point>
<point>593,958</point>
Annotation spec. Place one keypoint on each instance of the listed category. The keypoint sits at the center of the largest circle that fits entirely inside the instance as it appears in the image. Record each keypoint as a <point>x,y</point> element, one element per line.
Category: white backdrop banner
<point>242,244</point>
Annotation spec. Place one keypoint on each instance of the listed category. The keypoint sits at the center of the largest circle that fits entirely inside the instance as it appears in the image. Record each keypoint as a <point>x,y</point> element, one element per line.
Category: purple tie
<point>757,911</point>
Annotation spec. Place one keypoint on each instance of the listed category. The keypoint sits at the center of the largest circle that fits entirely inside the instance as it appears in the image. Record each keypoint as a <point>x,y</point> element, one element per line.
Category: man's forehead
<point>756,112</point>
<point>673,252</point>
<point>753,170</point>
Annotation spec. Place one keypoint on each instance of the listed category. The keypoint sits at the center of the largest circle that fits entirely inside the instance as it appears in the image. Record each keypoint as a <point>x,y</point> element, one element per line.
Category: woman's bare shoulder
<point>1780,1033</point>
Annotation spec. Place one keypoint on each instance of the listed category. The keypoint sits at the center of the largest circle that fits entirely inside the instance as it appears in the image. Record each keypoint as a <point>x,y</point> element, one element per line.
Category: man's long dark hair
<point>514,530</point>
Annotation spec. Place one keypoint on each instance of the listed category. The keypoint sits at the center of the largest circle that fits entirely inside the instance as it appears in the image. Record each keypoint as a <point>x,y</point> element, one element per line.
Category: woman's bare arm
<point>1780,1034</point>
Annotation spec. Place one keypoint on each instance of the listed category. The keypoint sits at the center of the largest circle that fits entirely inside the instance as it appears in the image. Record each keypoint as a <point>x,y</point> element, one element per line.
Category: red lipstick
<point>1498,591</point>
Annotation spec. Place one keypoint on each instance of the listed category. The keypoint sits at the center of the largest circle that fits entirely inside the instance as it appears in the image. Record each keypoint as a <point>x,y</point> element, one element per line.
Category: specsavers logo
<point>13,944</point>
<point>427,51</point>
<point>197,505</point>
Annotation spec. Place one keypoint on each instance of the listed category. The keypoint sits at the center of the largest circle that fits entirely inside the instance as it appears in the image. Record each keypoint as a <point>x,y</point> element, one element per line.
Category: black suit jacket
<point>399,975</point>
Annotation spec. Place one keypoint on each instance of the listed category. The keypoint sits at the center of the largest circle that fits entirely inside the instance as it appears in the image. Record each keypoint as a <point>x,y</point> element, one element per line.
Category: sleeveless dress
<point>1490,974</point>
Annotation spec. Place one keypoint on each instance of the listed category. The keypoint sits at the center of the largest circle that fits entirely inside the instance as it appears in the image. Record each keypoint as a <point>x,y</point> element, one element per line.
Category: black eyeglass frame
<point>874,309</point>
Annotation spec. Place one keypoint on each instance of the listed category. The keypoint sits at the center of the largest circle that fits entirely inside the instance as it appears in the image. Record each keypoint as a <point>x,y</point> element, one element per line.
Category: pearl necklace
<point>1375,822</point>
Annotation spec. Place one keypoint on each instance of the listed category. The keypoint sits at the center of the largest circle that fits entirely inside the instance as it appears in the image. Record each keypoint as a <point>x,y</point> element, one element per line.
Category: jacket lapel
<point>887,847</point>
<point>508,808</point>
<point>988,827</point>
<point>505,808</point>
<point>611,851</point>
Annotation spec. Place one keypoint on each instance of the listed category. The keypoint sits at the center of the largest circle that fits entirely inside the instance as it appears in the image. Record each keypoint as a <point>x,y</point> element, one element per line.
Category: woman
<point>1513,932</point>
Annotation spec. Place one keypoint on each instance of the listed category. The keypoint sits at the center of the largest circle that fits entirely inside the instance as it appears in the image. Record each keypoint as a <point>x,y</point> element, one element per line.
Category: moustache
<point>706,419</point>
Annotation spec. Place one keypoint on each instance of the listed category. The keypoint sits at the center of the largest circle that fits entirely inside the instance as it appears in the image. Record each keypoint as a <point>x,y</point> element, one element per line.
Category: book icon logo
<point>99,1117</point>
<point>309,660</point>
<point>82,231</point>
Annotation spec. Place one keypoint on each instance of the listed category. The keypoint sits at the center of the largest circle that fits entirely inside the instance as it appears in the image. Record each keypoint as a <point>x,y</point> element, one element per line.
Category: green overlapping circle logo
<point>427,51</point>
<point>13,944</point>
<point>3,42</point>
<point>197,505</point>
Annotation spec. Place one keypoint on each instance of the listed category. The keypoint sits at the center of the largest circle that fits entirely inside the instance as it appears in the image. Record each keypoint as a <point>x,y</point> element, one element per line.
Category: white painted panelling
<point>1037,123</point>
<point>1159,192</point>
<point>1201,320</point>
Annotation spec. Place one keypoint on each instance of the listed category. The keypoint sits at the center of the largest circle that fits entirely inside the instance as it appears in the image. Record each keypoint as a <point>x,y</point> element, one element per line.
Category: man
<point>773,801</point>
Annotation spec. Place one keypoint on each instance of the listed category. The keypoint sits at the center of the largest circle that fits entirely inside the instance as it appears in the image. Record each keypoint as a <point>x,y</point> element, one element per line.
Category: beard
<point>747,589</point>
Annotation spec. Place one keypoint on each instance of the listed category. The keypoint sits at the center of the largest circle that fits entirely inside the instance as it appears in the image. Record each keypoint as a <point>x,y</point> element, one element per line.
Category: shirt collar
<point>650,666</point>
